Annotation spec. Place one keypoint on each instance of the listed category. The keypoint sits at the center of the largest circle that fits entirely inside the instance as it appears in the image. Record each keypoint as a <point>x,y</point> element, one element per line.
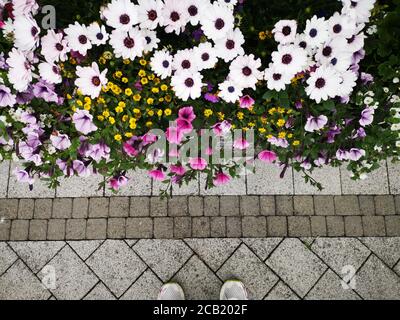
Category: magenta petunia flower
<point>267,156</point>
<point>221,179</point>
<point>184,125</point>
<point>177,169</point>
<point>157,175</point>
<point>222,128</point>
<point>198,163</point>
<point>246,102</point>
<point>186,113</point>
<point>83,121</point>
<point>241,144</point>
<point>174,135</point>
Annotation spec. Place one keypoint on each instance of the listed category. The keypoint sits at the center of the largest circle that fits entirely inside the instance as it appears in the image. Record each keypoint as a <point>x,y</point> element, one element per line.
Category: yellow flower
<point>102,60</point>
<point>124,80</point>
<point>128,92</point>
<point>69,97</point>
<point>118,74</point>
<point>262,130</point>
<point>167,112</point>
<point>156,81</point>
<point>161,100</point>
<point>263,120</point>
<point>221,116</point>
<point>105,89</point>
<point>122,104</point>
<point>136,110</point>
<point>100,118</point>
<point>87,107</point>
<point>155,90</point>
<point>149,124</point>
<point>151,77</point>
<point>296,143</point>
<point>159,112</point>
<point>79,103</point>
<point>73,108</point>
<point>272,111</point>
<point>142,62</point>
<point>132,125</point>
<point>119,110</point>
<point>168,98</point>
<point>164,87</point>
<point>282,135</point>
<point>270,136</point>
<point>150,113</point>
<point>245,128</point>
<point>126,61</point>
<point>281,110</point>
<point>111,120</point>
<point>240,115</point>
<point>262,35</point>
<point>106,114</point>
<point>72,61</point>
<point>118,137</point>
<point>150,100</point>
<point>87,100</point>
<point>142,73</point>
<point>129,134</point>
<point>208,113</point>
<point>110,84</point>
<point>137,97</point>
<point>280,122</point>
<point>144,81</point>
<point>107,55</point>
<point>290,135</point>
<point>101,100</point>
<point>251,124</point>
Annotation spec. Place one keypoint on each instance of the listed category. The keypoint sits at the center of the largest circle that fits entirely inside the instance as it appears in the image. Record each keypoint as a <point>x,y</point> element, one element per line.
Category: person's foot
<point>233,290</point>
<point>171,291</point>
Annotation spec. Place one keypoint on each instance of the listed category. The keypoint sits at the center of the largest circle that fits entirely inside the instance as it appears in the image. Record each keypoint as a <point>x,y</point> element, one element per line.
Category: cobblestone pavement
<point>271,268</point>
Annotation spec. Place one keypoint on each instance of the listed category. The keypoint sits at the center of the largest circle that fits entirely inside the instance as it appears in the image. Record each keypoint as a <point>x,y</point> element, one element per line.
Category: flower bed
<point>178,87</point>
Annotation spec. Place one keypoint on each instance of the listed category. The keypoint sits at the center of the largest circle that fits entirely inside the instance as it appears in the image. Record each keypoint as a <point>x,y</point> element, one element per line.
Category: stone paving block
<point>229,206</point>
<point>75,187</point>
<point>201,227</point>
<point>137,228</point>
<point>335,226</point>
<point>73,278</point>
<point>195,206</point>
<point>182,227</point>
<point>376,183</point>
<point>43,208</point>
<point>5,227</point>
<point>324,205</point>
<point>198,281</point>
<point>244,265</point>
<point>284,205</point>
<point>375,281</point>
<point>297,265</point>
<point>99,292</point>
<point>99,207</point>
<point>384,205</point>
<point>8,208</point>
<point>96,229</point>
<point>158,207</point>
<point>329,287</point>
<point>80,208</point>
<point>262,247</point>
<point>353,226</point>
<point>374,226</point>
<point>214,252</point>
<point>62,208</point>
<point>25,208</point>
<point>163,228</point>
<point>397,202</point>
<point>346,206</point>
<point>178,206</point>
<point>192,188</point>
<point>116,265</point>
<point>19,230</point>
<point>36,254</point>
<point>164,257</point>
<point>277,227</point>
<point>119,207</point>
<point>7,257</point>
<point>116,228</point>
<point>147,287</point>
<point>387,249</point>
<point>233,227</point>
<point>303,205</point>
<point>392,226</point>
<point>257,184</point>
<point>4,171</point>
<point>217,227</point>
<point>254,227</point>
<point>249,205</point>
<point>85,248</point>
<point>19,283</point>
<point>236,186</point>
<point>211,206</point>
<point>328,176</point>
<point>394,176</point>
<point>318,226</point>
<point>267,205</point>
<point>281,292</point>
<point>139,184</point>
<point>140,207</point>
<point>56,229</point>
<point>367,205</point>
<point>340,252</point>
<point>38,230</point>
<point>299,226</point>
<point>75,229</point>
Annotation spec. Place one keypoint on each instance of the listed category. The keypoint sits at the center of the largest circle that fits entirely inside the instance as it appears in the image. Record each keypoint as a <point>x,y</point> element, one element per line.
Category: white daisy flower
<point>301,41</point>
<point>205,56</point>
<point>347,83</point>
<point>195,10</point>
<point>341,25</point>
<point>90,80</point>
<point>356,42</point>
<point>183,60</point>
<point>290,59</point>
<point>244,71</point>
<point>77,36</point>
<point>323,84</point>
<point>187,85</point>
<point>54,47</point>
<point>151,40</point>
<point>229,3</point>
<point>330,49</point>
<point>285,31</point>
<point>316,31</point>
<point>97,34</point>
<point>20,69</point>
<point>120,14</point>
<point>229,47</point>
<point>360,10</point>
<point>50,72</point>
<point>229,91</point>
<point>276,80</point>
<point>26,33</point>
<point>161,64</point>
<point>174,16</point>
<point>217,21</point>
<point>127,44</point>
<point>25,7</point>
<point>149,13</point>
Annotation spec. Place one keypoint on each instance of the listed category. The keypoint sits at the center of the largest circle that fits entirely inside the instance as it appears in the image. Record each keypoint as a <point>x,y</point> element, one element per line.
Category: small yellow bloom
<point>110,84</point>
<point>290,135</point>
<point>87,107</point>
<point>111,120</point>
<point>281,110</point>
<point>150,100</point>
<point>101,100</point>
<point>132,125</point>
<point>73,108</point>
<point>220,116</point>
<point>208,113</point>
<point>128,92</point>
<point>262,35</point>
<point>107,55</point>
<point>122,104</point>
<point>126,61</point>
<point>240,115</point>
<point>156,81</point>
<point>118,74</point>
<point>149,124</point>
<point>69,97</point>
<point>118,137</point>
<point>129,134</point>
<point>142,62</point>
<point>167,112</point>
<point>124,80</point>
<point>79,103</point>
<point>144,81</point>
<point>282,135</point>
<point>168,98</point>
<point>142,73</point>
<point>151,77</point>
<point>137,97</point>
<point>251,124</point>
<point>106,113</point>
<point>100,118</point>
<point>155,90</point>
<point>270,136</point>
<point>280,122</point>
<point>296,143</point>
<point>119,110</point>
<point>150,113</point>
<point>161,99</point>
<point>136,110</point>
<point>102,60</point>
<point>159,112</point>
<point>272,111</point>
<point>262,130</point>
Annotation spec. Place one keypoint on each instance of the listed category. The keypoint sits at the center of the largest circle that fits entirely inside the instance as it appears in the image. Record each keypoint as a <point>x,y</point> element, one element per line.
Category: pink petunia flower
<point>198,163</point>
<point>174,135</point>
<point>177,169</point>
<point>267,156</point>
<point>241,144</point>
<point>186,113</point>
<point>221,179</point>
<point>246,102</point>
<point>157,175</point>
